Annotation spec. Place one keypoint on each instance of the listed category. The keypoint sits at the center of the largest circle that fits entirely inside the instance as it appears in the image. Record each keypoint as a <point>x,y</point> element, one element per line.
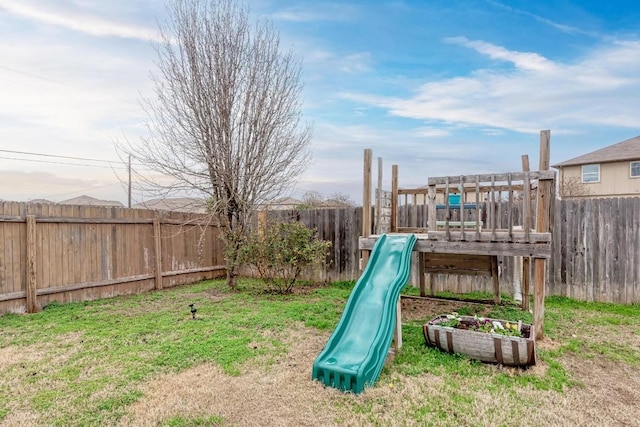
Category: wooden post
<point>525,278</point>
<point>397,333</point>
<point>422,274</point>
<point>378,225</point>
<point>32,302</point>
<point>525,163</point>
<point>262,222</point>
<point>526,282</point>
<point>157,246</point>
<point>366,202</point>
<point>542,225</point>
<point>496,280</point>
<point>394,199</point>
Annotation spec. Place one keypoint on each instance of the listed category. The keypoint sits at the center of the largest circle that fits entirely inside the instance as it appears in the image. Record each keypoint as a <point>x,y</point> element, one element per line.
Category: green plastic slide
<point>357,349</point>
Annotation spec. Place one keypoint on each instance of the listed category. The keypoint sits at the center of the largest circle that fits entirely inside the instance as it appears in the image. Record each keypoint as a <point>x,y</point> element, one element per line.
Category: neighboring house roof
<point>91,201</point>
<point>40,201</point>
<point>625,150</point>
<point>282,203</point>
<point>179,204</point>
<point>286,201</point>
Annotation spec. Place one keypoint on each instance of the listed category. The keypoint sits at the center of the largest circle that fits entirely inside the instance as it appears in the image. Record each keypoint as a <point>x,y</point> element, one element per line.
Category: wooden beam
<point>394,199</point>
<point>31,293</point>
<point>526,282</point>
<point>543,205</point>
<point>157,249</point>
<point>366,193</point>
<point>422,274</point>
<point>366,204</point>
<point>496,280</point>
<point>397,333</point>
<point>539,250</point>
<point>525,277</point>
<point>378,226</point>
<point>541,174</point>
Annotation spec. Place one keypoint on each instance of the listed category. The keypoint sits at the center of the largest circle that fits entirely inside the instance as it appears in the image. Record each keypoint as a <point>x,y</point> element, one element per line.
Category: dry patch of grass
<point>30,374</point>
<point>607,396</point>
<point>280,393</point>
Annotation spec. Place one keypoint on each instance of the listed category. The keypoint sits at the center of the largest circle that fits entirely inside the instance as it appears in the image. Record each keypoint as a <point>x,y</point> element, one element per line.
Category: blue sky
<point>438,87</point>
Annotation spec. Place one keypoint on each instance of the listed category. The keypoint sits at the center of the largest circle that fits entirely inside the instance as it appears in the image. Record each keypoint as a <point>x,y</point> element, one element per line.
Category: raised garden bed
<point>476,337</point>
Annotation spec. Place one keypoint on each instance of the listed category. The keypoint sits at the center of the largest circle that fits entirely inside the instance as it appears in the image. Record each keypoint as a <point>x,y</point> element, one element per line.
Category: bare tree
<point>226,119</point>
<point>313,200</point>
<point>573,187</point>
<point>340,200</point>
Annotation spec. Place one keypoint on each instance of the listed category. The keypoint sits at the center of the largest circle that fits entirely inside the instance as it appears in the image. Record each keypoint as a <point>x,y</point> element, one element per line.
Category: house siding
<point>615,180</point>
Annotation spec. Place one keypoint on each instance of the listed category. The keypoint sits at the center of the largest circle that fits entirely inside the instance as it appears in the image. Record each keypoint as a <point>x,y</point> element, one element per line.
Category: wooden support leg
<point>526,283</point>
<point>397,336</point>
<point>31,294</point>
<point>365,259</point>
<point>538,296</point>
<point>496,281</point>
<point>432,284</point>
<point>422,275</point>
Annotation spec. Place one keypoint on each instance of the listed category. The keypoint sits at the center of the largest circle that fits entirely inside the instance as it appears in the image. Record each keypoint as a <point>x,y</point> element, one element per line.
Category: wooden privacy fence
<point>69,253</point>
<point>595,249</point>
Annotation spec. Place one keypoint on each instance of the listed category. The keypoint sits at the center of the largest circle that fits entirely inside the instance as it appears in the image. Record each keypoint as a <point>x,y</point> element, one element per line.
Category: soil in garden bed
<point>424,309</point>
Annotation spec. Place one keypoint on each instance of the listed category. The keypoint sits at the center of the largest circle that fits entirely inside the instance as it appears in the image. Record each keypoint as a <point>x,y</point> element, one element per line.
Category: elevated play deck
<point>468,220</point>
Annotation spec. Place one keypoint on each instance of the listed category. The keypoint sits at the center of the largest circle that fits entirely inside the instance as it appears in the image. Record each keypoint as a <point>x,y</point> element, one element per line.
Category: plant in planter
<point>485,339</point>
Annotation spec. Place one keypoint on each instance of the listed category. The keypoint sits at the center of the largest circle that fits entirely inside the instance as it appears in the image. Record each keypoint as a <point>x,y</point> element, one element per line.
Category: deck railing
<point>483,207</point>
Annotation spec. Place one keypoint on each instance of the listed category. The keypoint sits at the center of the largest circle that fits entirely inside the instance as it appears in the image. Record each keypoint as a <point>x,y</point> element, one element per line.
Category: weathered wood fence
<point>596,249</point>
<point>69,253</point>
<point>74,253</point>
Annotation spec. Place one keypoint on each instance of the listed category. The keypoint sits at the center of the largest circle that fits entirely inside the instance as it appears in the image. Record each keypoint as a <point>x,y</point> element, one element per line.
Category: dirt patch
<point>608,395</point>
<point>423,309</point>
<point>26,370</point>
<point>280,393</point>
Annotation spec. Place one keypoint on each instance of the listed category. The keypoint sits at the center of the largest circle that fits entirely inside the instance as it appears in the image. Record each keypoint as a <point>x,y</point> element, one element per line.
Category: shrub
<point>282,251</point>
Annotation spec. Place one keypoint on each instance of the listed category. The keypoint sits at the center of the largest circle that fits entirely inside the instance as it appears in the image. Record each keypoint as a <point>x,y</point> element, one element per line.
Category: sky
<point>443,87</point>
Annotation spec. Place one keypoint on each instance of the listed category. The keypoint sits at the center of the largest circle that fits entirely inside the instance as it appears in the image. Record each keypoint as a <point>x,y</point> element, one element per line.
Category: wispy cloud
<point>523,60</point>
<point>350,63</point>
<point>316,12</point>
<point>78,21</point>
<point>565,28</point>
<point>599,89</point>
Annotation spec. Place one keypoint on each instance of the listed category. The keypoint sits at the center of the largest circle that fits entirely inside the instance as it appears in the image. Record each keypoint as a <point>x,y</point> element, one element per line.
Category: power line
<point>35,76</point>
<point>58,156</point>
<point>61,163</point>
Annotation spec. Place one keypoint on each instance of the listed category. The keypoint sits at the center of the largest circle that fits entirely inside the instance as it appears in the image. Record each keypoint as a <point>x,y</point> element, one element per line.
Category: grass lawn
<point>246,360</point>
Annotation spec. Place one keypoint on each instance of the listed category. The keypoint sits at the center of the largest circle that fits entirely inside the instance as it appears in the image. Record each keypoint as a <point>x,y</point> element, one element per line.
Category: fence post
<point>366,203</point>
<point>157,247</point>
<point>542,225</point>
<point>32,302</point>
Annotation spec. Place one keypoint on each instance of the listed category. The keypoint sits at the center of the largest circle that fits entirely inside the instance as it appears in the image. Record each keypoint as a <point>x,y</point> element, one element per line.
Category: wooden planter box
<point>483,346</point>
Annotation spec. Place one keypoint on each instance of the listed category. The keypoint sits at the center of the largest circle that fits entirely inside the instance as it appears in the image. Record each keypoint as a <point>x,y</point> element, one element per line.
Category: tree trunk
<point>232,277</point>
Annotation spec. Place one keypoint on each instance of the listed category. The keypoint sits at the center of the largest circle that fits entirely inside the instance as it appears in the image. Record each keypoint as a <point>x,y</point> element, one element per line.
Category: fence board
<point>88,252</point>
